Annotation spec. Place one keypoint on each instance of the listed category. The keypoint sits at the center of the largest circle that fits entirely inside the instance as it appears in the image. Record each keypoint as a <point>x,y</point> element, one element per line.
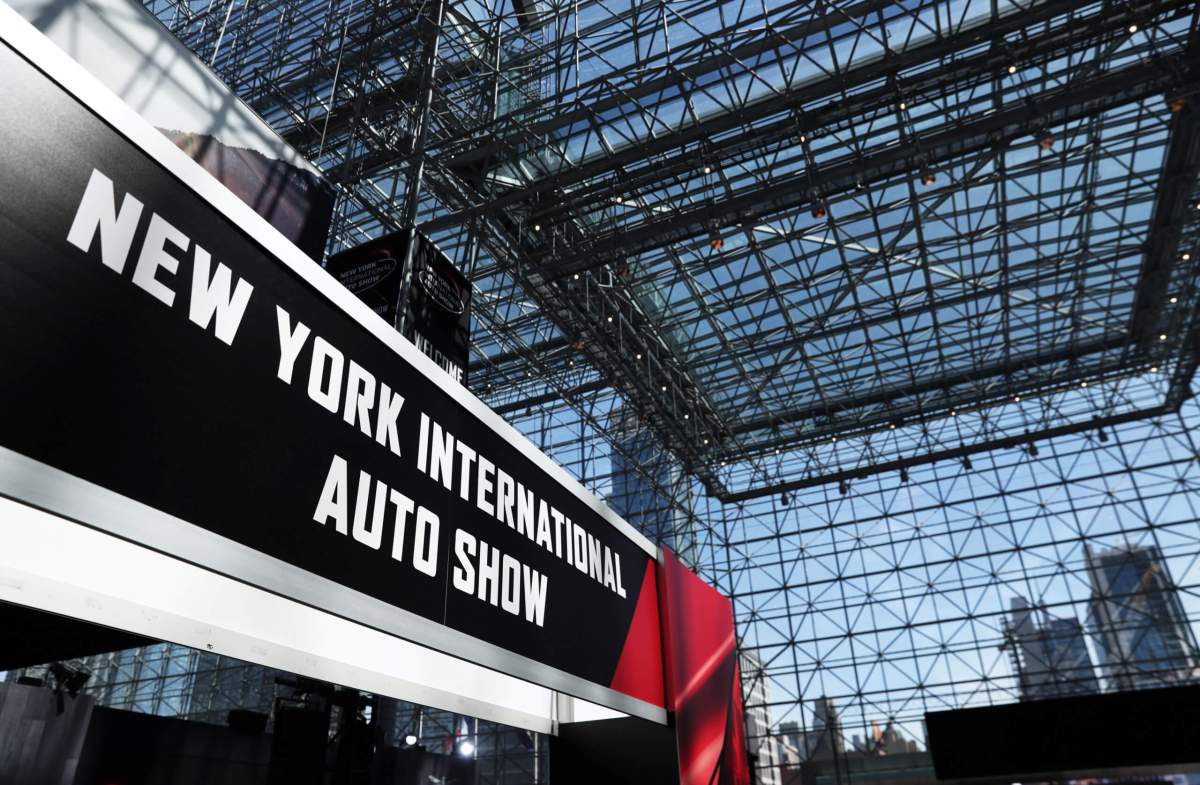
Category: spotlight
<point>1162,337</point>
<point>1012,69</point>
<point>1174,300</point>
<point>784,500</point>
<point>537,227</point>
<point>903,105</point>
<point>1176,105</point>
<point>1016,399</point>
<point>664,388</point>
<point>1132,28</point>
<point>1102,435</point>
<point>639,355</point>
<point>953,413</point>
<point>686,416</point>
<point>843,487</point>
<point>803,138</point>
<point>892,426</point>
<point>967,465</point>
<point>778,451</point>
<point>1033,450</point>
<point>410,740</point>
<point>1187,257</point>
<point>717,244</point>
<point>610,319</point>
<point>818,210</point>
<point>576,276</point>
<point>1153,369</point>
<point>903,474</point>
<point>708,170</point>
<point>1045,140</point>
<point>466,749</point>
<point>1083,384</point>
<point>928,177</point>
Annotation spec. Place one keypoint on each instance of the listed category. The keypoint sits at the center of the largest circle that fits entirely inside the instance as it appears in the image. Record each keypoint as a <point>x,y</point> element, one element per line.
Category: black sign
<point>438,316</point>
<point>153,348</point>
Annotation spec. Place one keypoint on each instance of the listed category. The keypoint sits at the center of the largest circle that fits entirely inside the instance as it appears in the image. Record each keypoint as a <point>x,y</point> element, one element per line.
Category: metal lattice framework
<point>770,228</point>
<point>906,289</point>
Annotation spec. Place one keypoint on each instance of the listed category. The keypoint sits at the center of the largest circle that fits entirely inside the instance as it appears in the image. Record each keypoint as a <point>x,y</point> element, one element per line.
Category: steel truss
<point>733,227</point>
<point>908,288</point>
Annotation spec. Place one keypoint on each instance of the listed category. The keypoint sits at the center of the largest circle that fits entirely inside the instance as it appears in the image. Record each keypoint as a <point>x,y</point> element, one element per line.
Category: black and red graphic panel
<point>703,685</point>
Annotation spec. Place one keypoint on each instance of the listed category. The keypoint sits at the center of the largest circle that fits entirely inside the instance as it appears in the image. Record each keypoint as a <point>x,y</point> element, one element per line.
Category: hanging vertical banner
<point>437,316</point>
<point>704,687</point>
<point>178,374</point>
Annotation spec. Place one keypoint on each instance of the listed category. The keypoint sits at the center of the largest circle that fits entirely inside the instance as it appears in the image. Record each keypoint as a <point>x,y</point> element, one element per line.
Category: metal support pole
<point>431,22</point>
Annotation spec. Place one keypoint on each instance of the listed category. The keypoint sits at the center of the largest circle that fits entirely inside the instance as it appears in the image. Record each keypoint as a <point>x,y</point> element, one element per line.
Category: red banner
<point>702,680</point>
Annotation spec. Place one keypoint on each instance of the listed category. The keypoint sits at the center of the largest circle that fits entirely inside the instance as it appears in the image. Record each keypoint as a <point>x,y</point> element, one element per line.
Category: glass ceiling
<point>906,289</point>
